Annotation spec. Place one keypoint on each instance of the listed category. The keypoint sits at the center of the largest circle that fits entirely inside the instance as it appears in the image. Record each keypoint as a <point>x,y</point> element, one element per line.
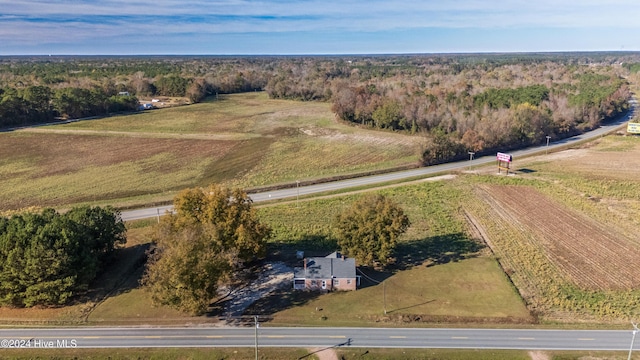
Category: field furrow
<point>593,256</point>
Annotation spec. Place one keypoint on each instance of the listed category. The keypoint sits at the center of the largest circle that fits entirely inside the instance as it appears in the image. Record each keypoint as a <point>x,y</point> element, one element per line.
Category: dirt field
<point>245,140</point>
<point>592,255</point>
<point>564,227</point>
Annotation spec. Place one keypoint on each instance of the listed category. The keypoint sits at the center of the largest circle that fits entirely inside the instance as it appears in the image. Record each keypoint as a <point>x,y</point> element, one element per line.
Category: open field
<point>565,230</point>
<point>465,285</point>
<point>245,140</point>
<point>442,274</point>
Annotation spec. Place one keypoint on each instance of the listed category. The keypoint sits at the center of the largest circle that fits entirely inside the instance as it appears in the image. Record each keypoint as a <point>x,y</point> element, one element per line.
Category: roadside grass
<point>293,353</point>
<point>244,140</point>
<point>432,354</point>
<point>155,354</point>
<point>466,354</point>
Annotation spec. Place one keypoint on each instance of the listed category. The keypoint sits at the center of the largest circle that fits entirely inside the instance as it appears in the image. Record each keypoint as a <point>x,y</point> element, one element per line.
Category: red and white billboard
<point>504,157</point>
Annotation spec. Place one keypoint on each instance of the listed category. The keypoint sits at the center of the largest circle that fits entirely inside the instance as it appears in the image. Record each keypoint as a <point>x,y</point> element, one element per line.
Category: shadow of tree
<point>311,244</point>
<point>437,250</point>
<point>280,300</point>
<point>121,275</point>
<point>371,277</point>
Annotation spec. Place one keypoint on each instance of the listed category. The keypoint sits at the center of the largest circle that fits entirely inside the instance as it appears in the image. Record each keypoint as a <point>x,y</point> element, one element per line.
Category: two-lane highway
<point>319,337</point>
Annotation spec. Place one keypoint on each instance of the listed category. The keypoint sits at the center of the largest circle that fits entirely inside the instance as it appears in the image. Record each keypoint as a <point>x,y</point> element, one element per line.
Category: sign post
<point>504,162</point>
<point>633,128</point>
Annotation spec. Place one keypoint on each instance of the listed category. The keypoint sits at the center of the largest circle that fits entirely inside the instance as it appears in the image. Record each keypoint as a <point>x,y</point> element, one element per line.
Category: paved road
<point>319,337</point>
<point>394,176</point>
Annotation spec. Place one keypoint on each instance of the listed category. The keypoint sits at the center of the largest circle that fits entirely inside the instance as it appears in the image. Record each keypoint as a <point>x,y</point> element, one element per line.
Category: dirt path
<point>272,277</point>
<point>324,354</point>
<point>144,134</point>
<point>539,355</point>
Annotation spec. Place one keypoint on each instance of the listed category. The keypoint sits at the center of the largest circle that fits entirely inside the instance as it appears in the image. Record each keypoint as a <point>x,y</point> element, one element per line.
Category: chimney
<point>305,264</point>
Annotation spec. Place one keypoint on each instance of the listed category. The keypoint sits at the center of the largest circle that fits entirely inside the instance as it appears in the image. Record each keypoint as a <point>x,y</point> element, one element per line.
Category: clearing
<point>245,140</point>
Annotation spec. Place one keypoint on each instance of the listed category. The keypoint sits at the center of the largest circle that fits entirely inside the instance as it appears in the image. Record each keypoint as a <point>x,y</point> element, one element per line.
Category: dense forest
<point>47,258</point>
<point>459,103</point>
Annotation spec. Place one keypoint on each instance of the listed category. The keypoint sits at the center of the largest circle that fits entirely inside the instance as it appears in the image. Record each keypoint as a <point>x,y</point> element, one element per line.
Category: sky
<point>296,27</point>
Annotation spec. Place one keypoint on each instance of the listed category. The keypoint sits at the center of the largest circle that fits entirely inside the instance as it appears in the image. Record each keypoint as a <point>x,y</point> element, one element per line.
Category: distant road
<point>399,175</point>
<point>90,337</point>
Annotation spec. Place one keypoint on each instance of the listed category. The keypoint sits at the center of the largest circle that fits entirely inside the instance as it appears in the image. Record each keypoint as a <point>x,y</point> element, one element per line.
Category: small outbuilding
<point>332,272</point>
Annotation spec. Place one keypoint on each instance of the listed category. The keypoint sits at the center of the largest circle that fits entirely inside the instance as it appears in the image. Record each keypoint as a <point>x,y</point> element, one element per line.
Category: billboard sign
<point>633,128</point>
<point>505,157</point>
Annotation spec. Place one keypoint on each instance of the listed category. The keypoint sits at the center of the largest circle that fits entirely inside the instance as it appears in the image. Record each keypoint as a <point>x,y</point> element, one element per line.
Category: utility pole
<point>298,194</point>
<point>384,297</point>
<point>255,319</point>
<point>633,338</point>
<point>548,137</point>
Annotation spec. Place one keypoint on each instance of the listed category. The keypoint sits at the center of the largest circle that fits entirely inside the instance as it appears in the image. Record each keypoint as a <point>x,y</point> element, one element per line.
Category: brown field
<point>564,227</point>
<point>592,255</point>
<point>245,140</point>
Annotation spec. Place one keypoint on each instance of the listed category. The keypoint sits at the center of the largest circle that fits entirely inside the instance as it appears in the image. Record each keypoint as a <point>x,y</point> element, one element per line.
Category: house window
<point>336,282</point>
<point>313,283</point>
<point>348,281</point>
<point>298,284</point>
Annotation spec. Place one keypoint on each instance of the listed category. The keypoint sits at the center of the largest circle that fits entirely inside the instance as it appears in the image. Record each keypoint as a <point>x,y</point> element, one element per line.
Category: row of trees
<point>37,104</point>
<point>472,110</point>
<point>46,258</point>
<point>473,100</point>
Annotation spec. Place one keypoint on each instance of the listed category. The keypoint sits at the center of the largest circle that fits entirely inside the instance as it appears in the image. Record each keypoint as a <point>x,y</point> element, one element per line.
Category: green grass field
<point>245,140</point>
<point>468,287</point>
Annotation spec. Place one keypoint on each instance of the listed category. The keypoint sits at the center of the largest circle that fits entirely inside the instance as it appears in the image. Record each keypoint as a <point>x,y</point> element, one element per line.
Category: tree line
<point>212,239</point>
<point>39,104</point>
<point>459,103</point>
<point>47,258</point>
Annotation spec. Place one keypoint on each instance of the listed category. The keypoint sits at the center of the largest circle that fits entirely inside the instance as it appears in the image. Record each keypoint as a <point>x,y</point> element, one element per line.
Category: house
<point>332,272</point>
<point>123,93</point>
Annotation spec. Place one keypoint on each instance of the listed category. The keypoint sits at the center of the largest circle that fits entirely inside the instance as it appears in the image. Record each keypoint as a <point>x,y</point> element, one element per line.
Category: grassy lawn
<point>470,291</point>
<point>244,140</point>
<point>468,285</point>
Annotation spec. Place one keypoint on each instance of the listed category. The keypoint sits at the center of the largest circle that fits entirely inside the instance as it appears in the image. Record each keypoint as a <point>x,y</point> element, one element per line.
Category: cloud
<point>64,21</point>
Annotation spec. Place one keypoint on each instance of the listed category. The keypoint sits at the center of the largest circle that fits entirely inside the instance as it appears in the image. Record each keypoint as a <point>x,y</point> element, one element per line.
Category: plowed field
<point>589,254</point>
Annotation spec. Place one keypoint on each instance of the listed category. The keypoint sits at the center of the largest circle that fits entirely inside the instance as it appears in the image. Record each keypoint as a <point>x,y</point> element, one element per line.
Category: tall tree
<point>47,258</point>
<point>212,234</point>
<point>369,229</point>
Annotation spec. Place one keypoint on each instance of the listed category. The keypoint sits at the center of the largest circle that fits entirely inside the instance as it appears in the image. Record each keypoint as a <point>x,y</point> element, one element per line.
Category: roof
<point>327,268</point>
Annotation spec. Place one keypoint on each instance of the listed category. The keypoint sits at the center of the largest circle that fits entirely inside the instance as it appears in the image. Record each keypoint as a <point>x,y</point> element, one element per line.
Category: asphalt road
<point>394,176</point>
<point>318,337</point>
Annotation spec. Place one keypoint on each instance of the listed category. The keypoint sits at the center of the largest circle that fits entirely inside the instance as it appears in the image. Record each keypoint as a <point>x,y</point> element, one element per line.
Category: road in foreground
<point>607,340</point>
<point>395,176</point>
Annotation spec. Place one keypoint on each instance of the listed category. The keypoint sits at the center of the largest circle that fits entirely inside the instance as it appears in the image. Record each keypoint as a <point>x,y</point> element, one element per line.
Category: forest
<point>459,103</point>
<point>46,257</point>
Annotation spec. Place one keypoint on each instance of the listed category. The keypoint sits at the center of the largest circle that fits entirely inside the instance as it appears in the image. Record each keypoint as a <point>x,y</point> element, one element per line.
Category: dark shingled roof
<point>327,268</point>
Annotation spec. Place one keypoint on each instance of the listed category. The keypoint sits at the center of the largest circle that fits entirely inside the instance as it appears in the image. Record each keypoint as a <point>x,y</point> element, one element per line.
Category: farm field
<point>243,140</point>
<point>563,229</point>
